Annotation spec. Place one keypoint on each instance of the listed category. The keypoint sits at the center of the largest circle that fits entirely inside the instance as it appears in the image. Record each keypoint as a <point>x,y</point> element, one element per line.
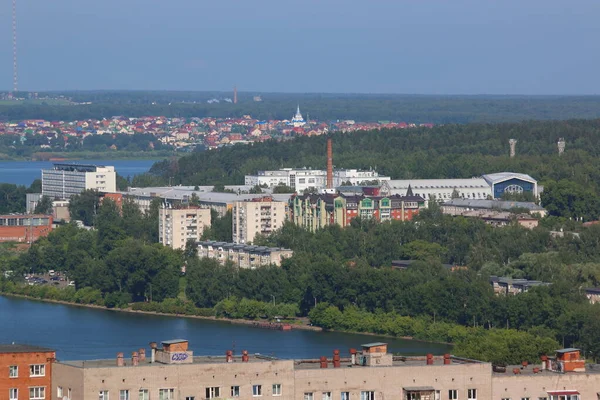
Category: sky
<point>335,46</point>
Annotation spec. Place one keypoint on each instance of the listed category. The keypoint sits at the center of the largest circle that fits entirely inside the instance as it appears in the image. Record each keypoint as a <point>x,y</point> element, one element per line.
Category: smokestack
<point>135,358</point>
<point>152,352</point>
<point>323,361</point>
<point>561,146</point>
<point>142,353</point>
<point>120,360</point>
<point>513,145</point>
<point>329,164</point>
<point>235,95</point>
<point>336,359</point>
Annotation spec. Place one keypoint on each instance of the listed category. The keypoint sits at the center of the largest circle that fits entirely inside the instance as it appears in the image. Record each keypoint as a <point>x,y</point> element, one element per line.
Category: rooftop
<point>112,363</point>
<point>493,204</point>
<point>503,176</point>
<point>23,348</point>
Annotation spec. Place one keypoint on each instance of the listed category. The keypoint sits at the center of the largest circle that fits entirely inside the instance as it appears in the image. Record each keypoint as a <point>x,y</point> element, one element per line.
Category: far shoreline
<point>215,319</point>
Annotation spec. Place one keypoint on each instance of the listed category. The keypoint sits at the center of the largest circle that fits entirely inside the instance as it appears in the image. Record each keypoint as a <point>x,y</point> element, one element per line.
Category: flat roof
<point>374,344</point>
<point>174,341</point>
<point>567,350</point>
<point>112,362</point>
<point>23,348</point>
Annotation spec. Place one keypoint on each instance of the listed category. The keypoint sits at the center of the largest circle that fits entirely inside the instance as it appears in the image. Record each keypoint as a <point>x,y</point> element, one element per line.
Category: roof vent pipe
<point>142,353</point>
<point>135,358</point>
<point>153,352</point>
<point>120,360</point>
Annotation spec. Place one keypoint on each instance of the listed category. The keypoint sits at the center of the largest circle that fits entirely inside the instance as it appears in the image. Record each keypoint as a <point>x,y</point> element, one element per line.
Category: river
<point>25,172</point>
<point>78,333</point>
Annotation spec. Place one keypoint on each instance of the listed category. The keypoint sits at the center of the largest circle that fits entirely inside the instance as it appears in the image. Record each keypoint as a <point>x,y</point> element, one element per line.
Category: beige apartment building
<point>257,216</point>
<point>178,225</point>
<point>244,256</point>
<point>173,372</point>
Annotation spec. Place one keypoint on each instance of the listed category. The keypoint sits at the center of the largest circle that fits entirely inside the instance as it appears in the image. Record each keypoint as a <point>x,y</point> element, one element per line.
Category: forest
<point>322,107</point>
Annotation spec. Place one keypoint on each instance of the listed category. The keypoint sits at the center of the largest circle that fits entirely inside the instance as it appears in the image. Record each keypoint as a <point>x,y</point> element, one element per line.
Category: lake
<point>25,172</point>
<point>78,333</point>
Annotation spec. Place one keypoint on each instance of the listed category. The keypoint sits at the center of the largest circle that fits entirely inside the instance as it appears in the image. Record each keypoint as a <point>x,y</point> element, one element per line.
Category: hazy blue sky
<point>372,46</point>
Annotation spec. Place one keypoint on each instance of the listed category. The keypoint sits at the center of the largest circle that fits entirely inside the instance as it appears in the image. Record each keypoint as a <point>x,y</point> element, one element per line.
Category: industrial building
<point>490,186</point>
<point>65,180</point>
<point>178,225</point>
<point>257,216</point>
<point>172,371</point>
<point>458,206</point>
<point>301,179</point>
<point>244,256</point>
<point>24,228</point>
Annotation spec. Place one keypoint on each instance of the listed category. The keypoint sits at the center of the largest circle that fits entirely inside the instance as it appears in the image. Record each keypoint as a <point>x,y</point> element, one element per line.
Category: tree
<point>569,199</point>
<point>83,207</point>
<point>44,206</point>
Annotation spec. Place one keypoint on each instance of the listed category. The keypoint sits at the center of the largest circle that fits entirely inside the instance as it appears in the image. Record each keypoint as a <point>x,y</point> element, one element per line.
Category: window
<point>13,394</point>
<point>37,370</point>
<point>326,395</point>
<point>524,398</point>
<point>59,392</point>
<point>345,396</point>
<point>308,396</point>
<point>472,394</point>
<point>190,398</point>
<point>213,392</point>
<point>37,393</point>
<point>13,371</point>
<point>256,390</point>
<point>452,394</point>
<point>143,394</point>
<point>166,394</point>
<point>506,398</point>
<point>367,395</point>
<point>103,395</point>
<point>277,389</point>
<point>124,394</point>
<point>69,393</point>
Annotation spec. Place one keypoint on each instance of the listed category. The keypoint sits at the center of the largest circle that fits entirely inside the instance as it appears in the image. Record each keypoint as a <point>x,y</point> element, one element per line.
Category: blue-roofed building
<point>511,182</point>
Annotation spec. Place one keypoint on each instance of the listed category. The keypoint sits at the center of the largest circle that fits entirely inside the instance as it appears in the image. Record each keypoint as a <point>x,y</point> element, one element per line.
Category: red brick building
<point>24,228</point>
<point>26,372</point>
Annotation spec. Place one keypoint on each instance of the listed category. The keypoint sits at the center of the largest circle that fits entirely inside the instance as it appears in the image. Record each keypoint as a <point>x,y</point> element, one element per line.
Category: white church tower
<point>298,121</point>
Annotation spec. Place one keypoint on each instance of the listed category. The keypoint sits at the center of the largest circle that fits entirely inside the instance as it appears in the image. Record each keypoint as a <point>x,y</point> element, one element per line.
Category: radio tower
<point>14,33</point>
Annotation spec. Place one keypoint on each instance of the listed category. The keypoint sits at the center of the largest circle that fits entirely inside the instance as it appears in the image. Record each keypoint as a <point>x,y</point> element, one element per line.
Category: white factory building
<point>301,179</point>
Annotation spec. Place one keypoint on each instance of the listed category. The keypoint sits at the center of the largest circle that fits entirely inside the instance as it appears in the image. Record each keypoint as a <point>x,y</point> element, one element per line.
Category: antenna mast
<point>14,32</point>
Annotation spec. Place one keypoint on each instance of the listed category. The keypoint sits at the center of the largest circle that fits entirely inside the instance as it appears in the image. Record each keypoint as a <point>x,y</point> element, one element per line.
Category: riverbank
<point>130,310</point>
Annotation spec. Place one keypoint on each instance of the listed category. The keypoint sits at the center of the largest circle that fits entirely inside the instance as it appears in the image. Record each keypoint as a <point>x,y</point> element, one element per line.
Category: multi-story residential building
<point>318,211</point>
<point>173,372</point>
<point>261,215</point>
<point>244,256</point>
<point>301,179</point>
<point>66,180</point>
<point>178,225</point>
<point>26,372</point>
<point>24,228</point>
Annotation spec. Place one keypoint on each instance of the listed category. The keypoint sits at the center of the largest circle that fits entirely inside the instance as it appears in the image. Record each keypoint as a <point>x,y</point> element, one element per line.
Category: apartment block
<point>178,225</point>
<point>261,215</point>
<point>65,180</point>
<point>26,372</point>
<point>244,256</point>
<point>316,211</point>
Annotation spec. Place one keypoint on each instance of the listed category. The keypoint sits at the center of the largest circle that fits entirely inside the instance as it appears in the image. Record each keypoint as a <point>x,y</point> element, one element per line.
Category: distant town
<point>187,133</point>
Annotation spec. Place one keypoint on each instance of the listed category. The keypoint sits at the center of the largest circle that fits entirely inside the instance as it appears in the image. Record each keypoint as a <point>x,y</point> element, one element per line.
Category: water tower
<point>513,145</point>
<point>561,146</point>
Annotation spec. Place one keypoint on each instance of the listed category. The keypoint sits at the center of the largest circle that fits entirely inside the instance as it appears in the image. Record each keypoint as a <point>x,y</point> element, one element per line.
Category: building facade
<point>24,228</point>
<point>173,372</point>
<point>458,206</point>
<point>301,179</point>
<point>511,183</point>
<point>261,215</point>
<point>66,180</point>
<point>178,225</point>
<point>316,211</point>
<point>244,256</point>
<point>26,372</point>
